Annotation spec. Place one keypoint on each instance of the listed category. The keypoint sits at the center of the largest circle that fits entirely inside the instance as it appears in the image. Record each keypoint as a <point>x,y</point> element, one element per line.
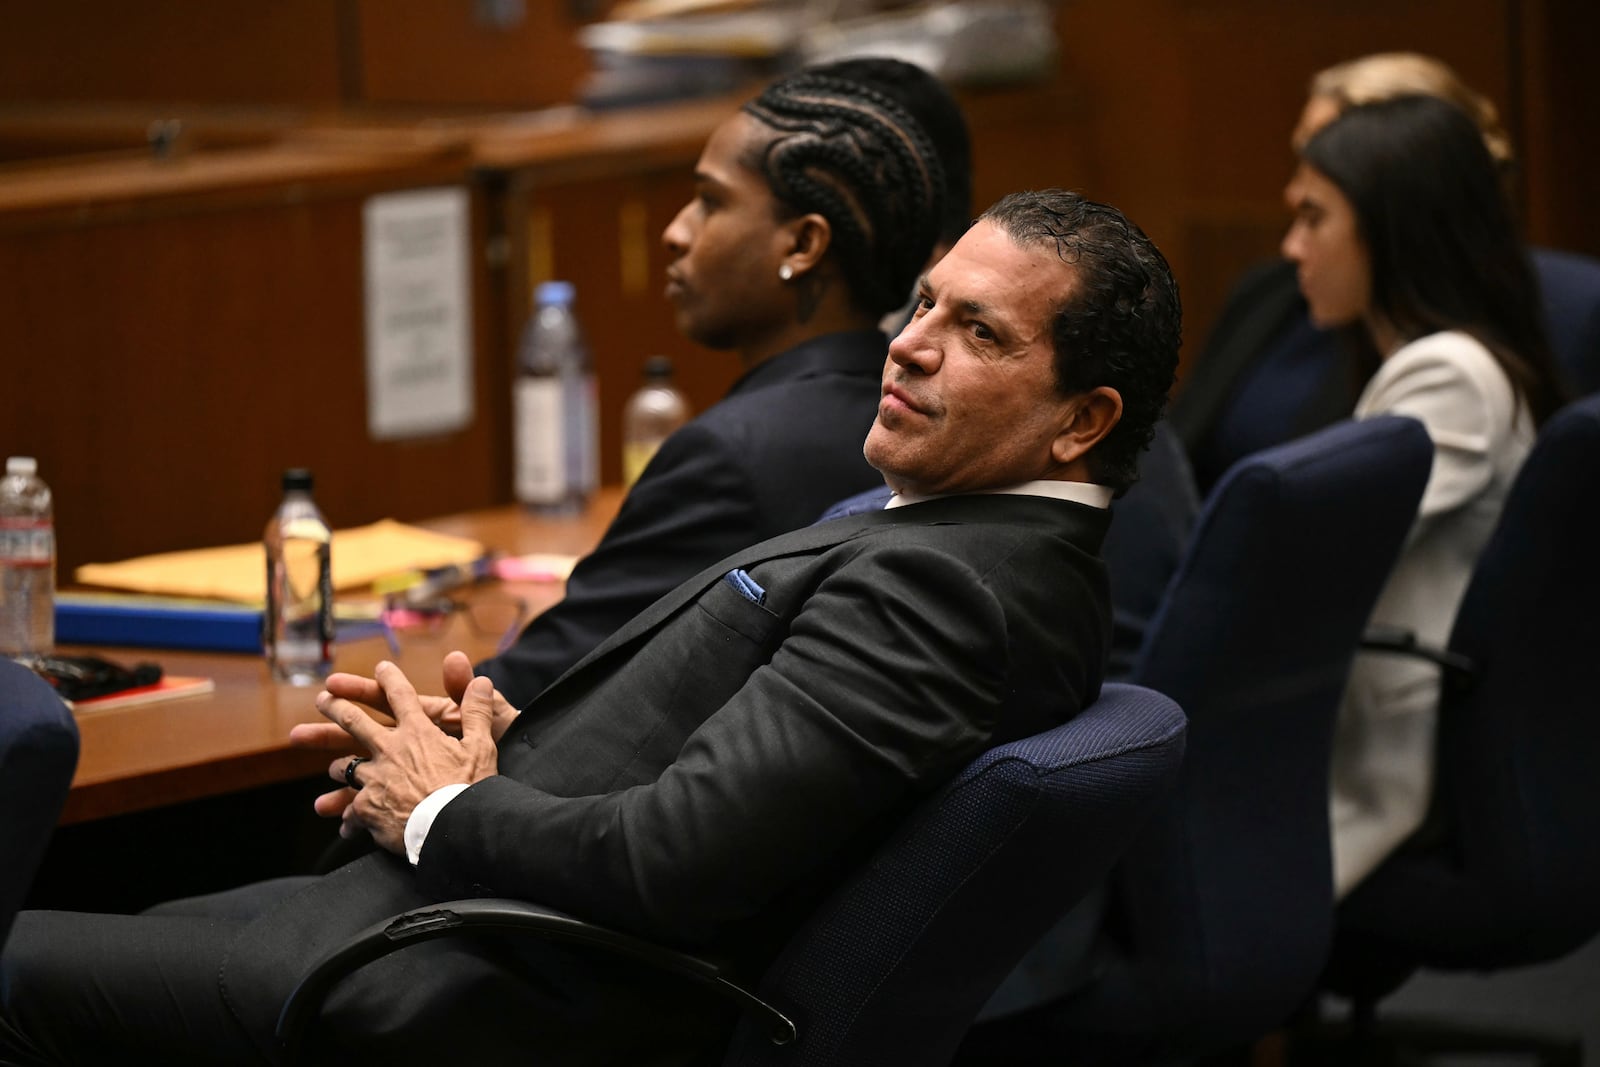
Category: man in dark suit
<point>715,766</point>
<point>815,208</point>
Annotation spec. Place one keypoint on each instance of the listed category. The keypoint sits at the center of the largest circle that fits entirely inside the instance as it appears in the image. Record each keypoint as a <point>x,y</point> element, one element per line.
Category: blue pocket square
<point>746,585</point>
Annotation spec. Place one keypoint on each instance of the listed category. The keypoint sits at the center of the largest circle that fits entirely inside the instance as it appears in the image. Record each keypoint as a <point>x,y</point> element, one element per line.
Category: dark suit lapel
<point>807,539</point>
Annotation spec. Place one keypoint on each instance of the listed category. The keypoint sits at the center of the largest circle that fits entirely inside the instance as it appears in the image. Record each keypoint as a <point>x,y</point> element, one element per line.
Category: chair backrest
<point>1569,286</point>
<point>38,754</point>
<point>1150,527</point>
<point>1512,875</point>
<point>1221,910</point>
<point>897,961</point>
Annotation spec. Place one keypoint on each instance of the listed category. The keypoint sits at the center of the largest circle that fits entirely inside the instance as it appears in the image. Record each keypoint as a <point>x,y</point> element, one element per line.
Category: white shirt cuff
<point>422,817</point>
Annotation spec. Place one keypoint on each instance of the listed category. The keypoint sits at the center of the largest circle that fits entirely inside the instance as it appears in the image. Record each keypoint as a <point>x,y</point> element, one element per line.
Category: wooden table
<point>237,737</point>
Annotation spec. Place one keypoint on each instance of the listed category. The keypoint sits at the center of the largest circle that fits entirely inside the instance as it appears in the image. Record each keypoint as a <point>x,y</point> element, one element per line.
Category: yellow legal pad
<point>239,572</point>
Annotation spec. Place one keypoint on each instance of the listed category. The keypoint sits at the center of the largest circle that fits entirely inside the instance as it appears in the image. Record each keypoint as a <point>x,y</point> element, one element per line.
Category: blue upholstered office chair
<point>1507,870</point>
<point>1569,286</point>
<point>1219,916</point>
<point>1150,528</point>
<point>896,962</point>
<point>38,754</point>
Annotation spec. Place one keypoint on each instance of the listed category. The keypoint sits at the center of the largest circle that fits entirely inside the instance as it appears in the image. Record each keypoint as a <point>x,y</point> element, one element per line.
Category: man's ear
<point>1091,416</point>
<point>810,236</point>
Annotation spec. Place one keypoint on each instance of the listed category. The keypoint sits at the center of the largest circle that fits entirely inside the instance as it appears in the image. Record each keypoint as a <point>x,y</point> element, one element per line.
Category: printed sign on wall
<point>419,313</point>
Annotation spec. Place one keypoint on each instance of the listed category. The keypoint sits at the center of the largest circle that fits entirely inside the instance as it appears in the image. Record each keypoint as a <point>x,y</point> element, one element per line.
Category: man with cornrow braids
<point>815,208</point>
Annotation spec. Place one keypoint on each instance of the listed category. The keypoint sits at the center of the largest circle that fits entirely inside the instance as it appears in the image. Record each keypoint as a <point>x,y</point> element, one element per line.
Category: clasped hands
<point>435,741</point>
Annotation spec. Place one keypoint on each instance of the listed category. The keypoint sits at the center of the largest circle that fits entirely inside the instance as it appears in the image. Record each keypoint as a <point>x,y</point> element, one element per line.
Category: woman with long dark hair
<point>1403,237</point>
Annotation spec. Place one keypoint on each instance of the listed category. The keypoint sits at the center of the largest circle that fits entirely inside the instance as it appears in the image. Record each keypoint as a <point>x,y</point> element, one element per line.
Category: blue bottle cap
<point>557,292</point>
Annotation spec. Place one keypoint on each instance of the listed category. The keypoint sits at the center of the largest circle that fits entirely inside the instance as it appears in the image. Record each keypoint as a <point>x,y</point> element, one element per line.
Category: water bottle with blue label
<point>555,426</point>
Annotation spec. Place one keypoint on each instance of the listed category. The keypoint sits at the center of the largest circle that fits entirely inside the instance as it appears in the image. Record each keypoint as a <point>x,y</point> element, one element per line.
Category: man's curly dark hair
<point>1119,325</point>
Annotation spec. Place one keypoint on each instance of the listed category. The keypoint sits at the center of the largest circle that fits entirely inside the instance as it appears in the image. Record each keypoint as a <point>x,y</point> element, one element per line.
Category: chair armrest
<point>491,915</point>
<point>1458,670</point>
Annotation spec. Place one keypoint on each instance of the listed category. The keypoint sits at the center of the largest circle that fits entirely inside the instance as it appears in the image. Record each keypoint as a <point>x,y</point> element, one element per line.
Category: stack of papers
<point>211,598</point>
<point>238,573</point>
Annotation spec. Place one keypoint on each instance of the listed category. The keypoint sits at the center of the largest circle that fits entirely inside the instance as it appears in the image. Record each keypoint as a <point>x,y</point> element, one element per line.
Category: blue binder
<point>145,622</point>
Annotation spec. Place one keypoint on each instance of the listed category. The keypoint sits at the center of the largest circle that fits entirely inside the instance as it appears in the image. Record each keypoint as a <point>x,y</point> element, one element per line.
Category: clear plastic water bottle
<point>653,411</point>
<point>556,427</point>
<point>297,625</point>
<point>27,562</point>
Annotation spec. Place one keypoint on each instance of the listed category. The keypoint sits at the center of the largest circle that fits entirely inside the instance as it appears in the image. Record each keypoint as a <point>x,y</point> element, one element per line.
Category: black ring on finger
<point>350,771</point>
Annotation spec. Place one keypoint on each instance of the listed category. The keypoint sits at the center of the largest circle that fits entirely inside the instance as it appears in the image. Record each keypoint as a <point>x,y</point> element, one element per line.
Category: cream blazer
<point>1383,756</point>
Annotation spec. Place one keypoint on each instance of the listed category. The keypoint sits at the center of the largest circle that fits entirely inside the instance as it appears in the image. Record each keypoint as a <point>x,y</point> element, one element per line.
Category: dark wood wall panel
<point>430,51</point>
<point>1188,106</point>
<point>604,235</point>
<point>174,352</point>
<point>165,369</point>
<point>1248,63</point>
<point>284,51</point>
<point>1030,138</point>
<point>583,221</point>
<point>1561,121</point>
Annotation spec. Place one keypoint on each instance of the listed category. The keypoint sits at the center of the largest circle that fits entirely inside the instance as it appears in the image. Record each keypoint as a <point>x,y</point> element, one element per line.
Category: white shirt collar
<point>1096,496</point>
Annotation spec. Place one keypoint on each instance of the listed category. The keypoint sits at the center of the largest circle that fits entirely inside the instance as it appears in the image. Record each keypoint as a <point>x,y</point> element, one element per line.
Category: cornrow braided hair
<point>854,156</point>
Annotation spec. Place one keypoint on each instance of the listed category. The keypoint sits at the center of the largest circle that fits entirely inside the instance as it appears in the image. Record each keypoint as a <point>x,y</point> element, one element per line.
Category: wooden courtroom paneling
<point>1178,111</point>
<point>1188,106</point>
<point>445,53</point>
<point>1240,163</point>
<point>173,50</point>
<point>594,215</point>
<point>1027,137</point>
<point>604,235</point>
<point>1560,128</point>
<point>167,357</point>
<point>433,52</point>
<point>586,200</point>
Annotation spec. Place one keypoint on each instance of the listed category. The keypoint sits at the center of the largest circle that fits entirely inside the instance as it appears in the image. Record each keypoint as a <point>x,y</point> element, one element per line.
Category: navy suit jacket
<point>709,772</point>
<point>778,449</point>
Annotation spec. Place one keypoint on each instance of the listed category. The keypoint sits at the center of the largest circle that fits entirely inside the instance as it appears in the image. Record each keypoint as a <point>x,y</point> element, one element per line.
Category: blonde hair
<point>1385,75</point>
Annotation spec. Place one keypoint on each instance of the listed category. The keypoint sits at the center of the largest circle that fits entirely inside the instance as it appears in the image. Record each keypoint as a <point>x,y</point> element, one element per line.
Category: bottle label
<point>27,542</point>
<point>541,458</point>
